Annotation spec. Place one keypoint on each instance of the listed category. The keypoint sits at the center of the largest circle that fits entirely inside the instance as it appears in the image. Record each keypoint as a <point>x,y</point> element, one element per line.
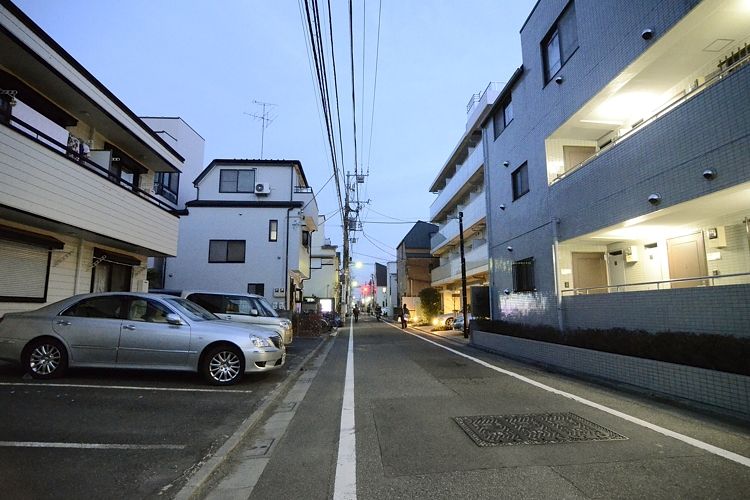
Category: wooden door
<point>687,259</point>
<point>590,271</point>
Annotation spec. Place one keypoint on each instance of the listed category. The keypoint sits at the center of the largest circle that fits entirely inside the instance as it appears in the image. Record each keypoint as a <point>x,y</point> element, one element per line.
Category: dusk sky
<point>208,61</point>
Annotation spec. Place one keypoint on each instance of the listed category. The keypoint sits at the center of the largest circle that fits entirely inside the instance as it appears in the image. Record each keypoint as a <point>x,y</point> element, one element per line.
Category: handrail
<point>667,107</point>
<point>617,288</point>
<point>75,156</point>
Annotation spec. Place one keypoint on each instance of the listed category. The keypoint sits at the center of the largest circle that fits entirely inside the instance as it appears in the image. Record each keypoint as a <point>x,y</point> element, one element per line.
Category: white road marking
<point>345,484</point>
<point>734,457</point>
<point>121,387</point>
<point>89,446</point>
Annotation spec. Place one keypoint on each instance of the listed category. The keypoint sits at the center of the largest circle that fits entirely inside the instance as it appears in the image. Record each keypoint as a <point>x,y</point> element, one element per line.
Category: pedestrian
<point>404,315</point>
<point>356,314</point>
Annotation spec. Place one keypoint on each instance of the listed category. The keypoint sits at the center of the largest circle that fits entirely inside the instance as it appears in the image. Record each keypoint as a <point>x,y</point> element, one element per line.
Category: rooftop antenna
<point>265,117</point>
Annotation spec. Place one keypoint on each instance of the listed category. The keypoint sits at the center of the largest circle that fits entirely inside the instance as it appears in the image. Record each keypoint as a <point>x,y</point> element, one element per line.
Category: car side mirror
<point>254,312</point>
<point>174,319</point>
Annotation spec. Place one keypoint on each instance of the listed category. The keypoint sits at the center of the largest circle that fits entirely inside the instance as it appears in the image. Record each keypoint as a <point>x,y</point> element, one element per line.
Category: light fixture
<point>559,80</point>
<point>709,174</point>
<point>654,198</point>
<point>506,291</point>
<point>506,163</point>
<point>510,248</point>
<point>647,34</point>
<point>502,207</point>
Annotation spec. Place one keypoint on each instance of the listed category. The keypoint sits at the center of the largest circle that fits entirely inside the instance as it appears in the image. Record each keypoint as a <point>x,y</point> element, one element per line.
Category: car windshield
<point>191,309</point>
<point>265,308</point>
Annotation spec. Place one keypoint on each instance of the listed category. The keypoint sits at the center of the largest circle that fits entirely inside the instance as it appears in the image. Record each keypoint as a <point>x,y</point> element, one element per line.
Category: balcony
<point>482,102</point>
<point>474,213</point>
<point>468,174</point>
<point>477,262</point>
<point>41,177</point>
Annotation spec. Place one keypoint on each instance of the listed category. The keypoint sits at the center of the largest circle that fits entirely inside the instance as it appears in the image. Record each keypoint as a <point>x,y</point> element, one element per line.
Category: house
<point>414,261</point>
<point>248,230</point>
<point>323,287</point>
<point>459,186</point>
<point>391,294</point>
<point>76,173</point>
<point>623,169</point>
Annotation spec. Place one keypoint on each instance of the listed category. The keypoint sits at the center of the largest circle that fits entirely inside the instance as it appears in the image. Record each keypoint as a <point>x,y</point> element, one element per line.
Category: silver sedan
<point>136,330</point>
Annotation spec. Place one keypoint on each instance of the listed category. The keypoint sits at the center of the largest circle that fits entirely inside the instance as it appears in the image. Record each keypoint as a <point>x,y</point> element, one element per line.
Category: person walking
<point>404,315</point>
<point>356,314</point>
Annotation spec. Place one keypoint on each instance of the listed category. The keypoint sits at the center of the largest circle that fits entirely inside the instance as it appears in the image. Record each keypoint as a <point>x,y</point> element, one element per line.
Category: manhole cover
<point>539,428</point>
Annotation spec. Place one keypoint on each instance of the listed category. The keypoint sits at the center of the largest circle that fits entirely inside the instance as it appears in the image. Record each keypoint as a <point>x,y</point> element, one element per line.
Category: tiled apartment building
<point>619,190</point>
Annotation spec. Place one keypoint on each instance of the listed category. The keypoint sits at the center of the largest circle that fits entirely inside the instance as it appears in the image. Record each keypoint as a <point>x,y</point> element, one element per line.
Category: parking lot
<point>114,433</point>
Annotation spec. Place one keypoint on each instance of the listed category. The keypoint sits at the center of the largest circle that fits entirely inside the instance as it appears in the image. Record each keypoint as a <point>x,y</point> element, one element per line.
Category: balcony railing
<point>737,279</point>
<point>475,211</point>
<point>78,156</point>
<point>469,167</point>
<point>476,98</point>
<point>666,108</point>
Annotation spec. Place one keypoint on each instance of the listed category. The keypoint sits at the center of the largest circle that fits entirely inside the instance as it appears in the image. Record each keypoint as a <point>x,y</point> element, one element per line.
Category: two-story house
<point>248,230</point>
<point>415,262</point>
<point>323,287</point>
<point>76,174</point>
<point>619,195</point>
<point>459,186</point>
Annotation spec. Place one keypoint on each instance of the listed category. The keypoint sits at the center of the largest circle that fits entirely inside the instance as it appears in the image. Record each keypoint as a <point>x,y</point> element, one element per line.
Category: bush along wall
<point>714,352</point>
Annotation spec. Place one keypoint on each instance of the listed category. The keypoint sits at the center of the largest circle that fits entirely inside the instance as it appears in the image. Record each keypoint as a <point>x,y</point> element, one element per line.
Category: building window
<point>273,230</point>
<point>256,288</point>
<point>112,272</point>
<point>236,181</point>
<point>523,275</point>
<point>560,42</point>
<point>502,117</point>
<point>25,272</point>
<point>520,180</point>
<point>167,185</point>
<point>226,251</point>
<point>305,239</point>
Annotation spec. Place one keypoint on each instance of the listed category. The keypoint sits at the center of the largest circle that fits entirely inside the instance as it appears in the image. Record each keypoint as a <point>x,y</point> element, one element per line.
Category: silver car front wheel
<point>45,358</point>
<point>223,365</point>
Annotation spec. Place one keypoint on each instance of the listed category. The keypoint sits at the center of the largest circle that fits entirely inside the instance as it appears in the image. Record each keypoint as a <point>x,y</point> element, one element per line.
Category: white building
<point>249,230</point>
<point>459,186</point>
<point>324,271</point>
<point>76,176</point>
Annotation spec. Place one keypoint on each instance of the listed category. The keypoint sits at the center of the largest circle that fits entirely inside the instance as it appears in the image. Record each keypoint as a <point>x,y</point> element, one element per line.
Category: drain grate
<point>538,428</point>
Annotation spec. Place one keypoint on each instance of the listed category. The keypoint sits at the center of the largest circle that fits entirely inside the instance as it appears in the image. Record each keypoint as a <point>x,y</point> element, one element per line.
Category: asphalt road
<point>549,436</point>
<point>120,434</point>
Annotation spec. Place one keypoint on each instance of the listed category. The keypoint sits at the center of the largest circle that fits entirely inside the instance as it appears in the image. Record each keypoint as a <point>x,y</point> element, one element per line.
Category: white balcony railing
<point>457,183</point>
<point>477,261</point>
<point>474,212</point>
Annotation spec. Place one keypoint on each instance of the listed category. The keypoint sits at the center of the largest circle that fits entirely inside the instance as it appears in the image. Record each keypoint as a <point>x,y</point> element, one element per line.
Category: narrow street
<point>417,433</point>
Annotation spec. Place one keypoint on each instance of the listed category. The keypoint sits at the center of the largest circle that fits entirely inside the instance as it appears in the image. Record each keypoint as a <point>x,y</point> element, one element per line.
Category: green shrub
<point>714,352</point>
<point>430,303</point>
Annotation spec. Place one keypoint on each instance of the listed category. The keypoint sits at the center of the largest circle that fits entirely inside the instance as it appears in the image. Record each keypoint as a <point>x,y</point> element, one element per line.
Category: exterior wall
<point>324,267</point>
<point>280,179</point>
<point>718,391</point>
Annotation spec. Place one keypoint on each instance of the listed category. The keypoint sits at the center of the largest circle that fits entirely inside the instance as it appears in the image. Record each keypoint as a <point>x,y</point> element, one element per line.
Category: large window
<point>167,184</point>
<point>560,42</point>
<point>220,251</point>
<point>502,117</point>
<point>523,275</point>
<point>520,180</point>
<point>25,269</point>
<point>273,230</point>
<point>236,181</point>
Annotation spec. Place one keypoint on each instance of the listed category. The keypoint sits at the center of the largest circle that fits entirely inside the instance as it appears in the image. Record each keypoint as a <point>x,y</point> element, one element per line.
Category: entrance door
<point>590,271</point>
<point>687,259</point>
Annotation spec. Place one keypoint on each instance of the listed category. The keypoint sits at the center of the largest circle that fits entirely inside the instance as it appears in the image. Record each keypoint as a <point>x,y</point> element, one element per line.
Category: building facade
<point>77,213</point>
<point>414,260</point>
<point>619,193</point>
<point>248,230</point>
<point>459,186</point>
<point>325,269</point>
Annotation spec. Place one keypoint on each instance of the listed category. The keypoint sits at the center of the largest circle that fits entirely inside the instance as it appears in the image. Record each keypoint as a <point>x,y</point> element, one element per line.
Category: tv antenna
<point>266,117</point>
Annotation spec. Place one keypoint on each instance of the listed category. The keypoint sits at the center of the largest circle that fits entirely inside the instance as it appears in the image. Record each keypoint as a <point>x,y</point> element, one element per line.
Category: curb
<point>198,480</point>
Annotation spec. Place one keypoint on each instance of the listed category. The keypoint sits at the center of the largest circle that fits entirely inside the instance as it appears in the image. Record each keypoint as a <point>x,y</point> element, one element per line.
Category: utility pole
<point>463,273</point>
<point>266,118</point>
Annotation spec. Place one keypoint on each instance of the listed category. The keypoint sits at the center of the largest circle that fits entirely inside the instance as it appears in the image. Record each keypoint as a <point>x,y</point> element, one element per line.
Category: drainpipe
<point>555,266</point>
<point>286,254</point>
<point>79,266</point>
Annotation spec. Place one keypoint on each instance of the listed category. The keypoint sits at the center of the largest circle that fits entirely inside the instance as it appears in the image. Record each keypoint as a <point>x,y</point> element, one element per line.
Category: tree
<point>430,299</point>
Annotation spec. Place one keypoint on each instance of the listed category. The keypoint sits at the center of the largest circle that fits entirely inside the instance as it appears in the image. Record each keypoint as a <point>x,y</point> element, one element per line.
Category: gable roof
<point>249,162</point>
<point>419,235</point>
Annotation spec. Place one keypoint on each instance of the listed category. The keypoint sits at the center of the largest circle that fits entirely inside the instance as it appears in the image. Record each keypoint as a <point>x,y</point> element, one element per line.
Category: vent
<point>262,188</point>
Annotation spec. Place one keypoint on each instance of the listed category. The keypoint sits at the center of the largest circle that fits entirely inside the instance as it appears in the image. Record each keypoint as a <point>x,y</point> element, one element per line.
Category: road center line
<point>734,457</point>
<point>89,446</point>
<point>121,387</point>
<point>345,484</point>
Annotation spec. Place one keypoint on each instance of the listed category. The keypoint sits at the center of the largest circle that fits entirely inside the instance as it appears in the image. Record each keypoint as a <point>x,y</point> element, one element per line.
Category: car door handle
<point>128,327</point>
<point>63,322</point>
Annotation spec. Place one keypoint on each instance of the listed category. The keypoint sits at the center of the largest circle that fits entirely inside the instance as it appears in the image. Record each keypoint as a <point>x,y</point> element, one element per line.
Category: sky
<point>207,62</point>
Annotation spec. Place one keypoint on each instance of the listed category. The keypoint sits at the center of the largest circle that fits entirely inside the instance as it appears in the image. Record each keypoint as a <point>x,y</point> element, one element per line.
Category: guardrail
<point>655,285</point>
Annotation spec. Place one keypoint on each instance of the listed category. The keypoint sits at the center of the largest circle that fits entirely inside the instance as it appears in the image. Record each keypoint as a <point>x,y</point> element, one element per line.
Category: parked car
<point>240,307</point>
<point>458,323</point>
<point>445,320</point>
<point>136,330</point>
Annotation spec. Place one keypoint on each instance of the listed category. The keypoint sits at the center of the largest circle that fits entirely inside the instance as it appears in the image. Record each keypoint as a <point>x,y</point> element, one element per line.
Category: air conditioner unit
<point>262,188</point>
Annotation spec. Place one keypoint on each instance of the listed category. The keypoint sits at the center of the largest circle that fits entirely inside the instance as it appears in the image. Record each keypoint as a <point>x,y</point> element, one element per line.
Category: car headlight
<point>285,323</point>
<point>260,341</point>
<point>435,322</point>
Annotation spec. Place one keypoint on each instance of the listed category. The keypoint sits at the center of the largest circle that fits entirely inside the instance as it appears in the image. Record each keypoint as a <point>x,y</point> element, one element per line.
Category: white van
<point>242,307</point>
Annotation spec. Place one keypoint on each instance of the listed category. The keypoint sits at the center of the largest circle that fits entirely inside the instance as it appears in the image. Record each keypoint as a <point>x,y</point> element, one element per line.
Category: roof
<point>419,235</point>
<point>504,92</point>
<point>251,162</point>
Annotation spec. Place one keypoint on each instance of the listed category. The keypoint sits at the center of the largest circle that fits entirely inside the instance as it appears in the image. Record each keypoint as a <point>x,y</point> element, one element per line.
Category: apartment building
<point>619,193</point>
<point>248,230</point>
<point>77,166</point>
<point>459,186</point>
